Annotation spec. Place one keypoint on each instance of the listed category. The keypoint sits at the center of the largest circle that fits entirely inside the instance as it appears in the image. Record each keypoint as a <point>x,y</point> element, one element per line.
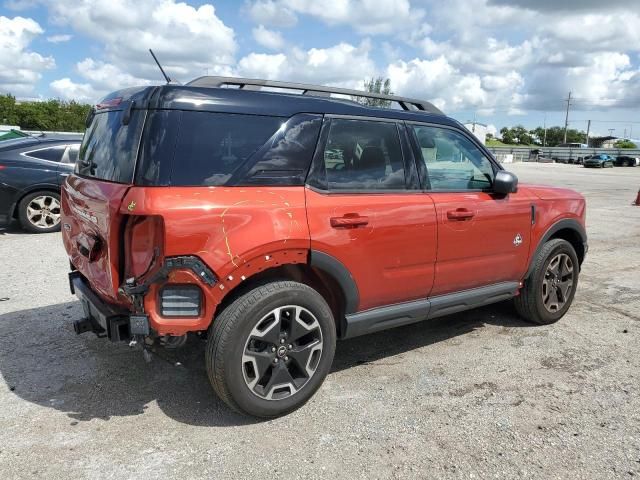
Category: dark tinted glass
<point>158,147</point>
<point>53,154</point>
<point>211,147</point>
<point>285,158</point>
<point>109,149</point>
<point>363,155</point>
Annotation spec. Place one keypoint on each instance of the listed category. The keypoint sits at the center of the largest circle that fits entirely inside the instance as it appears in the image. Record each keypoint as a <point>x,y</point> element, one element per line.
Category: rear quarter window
<point>211,147</point>
<point>184,148</point>
<point>52,154</point>
<point>109,148</point>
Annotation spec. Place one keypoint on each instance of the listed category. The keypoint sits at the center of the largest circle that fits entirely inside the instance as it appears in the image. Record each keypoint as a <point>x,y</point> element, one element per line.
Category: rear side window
<point>364,155</point>
<point>211,147</point>
<point>53,154</point>
<point>109,148</point>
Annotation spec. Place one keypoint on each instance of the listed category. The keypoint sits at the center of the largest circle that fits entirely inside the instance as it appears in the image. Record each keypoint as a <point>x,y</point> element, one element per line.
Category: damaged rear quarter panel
<point>236,231</point>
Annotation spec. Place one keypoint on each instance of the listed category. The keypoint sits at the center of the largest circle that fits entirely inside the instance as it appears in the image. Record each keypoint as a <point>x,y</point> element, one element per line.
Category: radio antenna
<point>166,77</point>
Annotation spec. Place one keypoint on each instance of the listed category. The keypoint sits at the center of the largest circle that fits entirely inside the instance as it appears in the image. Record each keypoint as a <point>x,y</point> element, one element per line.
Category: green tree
<point>555,136</point>
<point>517,135</point>
<point>624,143</point>
<point>8,115</point>
<point>376,85</point>
<point>54,115</point>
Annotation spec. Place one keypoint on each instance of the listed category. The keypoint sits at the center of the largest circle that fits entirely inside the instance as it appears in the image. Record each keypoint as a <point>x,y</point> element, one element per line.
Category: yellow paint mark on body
<point>232,257</point>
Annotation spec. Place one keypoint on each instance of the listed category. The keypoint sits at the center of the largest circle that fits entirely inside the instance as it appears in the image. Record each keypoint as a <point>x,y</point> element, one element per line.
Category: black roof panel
<point>233,100</point>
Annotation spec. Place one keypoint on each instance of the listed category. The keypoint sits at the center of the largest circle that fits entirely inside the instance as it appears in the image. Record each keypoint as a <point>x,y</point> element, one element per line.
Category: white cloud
<point>20,68</point>
<point>187,40</point>
<point>66,89</point>
<point>268,38</point>
<point>369,17</point>
<point>513,59</point>
<point>273,13</point>
<point>98,79</point>
<point>492,56</point>
<point>343,64</point>
<point>59,38</point>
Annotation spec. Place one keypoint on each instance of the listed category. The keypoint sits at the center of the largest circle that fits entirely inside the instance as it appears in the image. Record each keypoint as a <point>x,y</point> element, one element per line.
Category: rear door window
<point>52,154</point>
<point>364,155</point>
<point>109,148</point>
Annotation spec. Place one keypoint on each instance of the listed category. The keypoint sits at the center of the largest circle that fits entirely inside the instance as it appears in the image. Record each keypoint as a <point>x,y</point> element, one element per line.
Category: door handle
<point>349,220</point>
<point>460,214</point>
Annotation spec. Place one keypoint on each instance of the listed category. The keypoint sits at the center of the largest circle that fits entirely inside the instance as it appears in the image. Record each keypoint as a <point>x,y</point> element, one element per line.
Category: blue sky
<point>502,62</point>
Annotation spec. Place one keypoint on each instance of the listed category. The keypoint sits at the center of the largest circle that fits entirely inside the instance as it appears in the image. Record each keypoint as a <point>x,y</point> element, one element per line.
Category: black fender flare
<point>341,274</point>
<point>564,224</point>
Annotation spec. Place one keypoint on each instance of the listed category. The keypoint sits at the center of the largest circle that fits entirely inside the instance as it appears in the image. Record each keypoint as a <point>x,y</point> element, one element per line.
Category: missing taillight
<point>144,245</point>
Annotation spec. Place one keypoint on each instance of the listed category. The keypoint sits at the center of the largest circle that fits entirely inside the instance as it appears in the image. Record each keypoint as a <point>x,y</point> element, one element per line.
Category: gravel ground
<point>474,395</point>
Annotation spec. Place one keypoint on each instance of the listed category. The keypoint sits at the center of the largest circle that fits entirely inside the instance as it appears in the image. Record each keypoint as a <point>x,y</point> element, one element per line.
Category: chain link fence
<point>555,154</point>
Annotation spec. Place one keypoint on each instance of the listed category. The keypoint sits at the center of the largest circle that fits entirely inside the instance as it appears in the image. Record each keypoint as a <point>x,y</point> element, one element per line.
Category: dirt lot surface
<point>475,395</point>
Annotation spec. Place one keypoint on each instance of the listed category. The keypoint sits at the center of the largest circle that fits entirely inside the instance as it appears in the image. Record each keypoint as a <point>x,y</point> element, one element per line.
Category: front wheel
<point>271,349</point>
<point>549,290</point>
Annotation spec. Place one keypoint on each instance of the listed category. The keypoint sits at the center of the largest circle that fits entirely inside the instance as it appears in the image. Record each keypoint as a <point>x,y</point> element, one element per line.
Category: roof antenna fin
<point>166,77</point>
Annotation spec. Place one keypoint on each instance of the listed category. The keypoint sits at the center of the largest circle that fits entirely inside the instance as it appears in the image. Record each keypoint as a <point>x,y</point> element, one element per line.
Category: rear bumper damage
<point>102,318</point>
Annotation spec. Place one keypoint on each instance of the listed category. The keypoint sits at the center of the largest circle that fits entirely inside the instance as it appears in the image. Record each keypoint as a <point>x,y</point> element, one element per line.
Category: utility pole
<point>588,128</point>
<point>544,139</point>
<point>625,133</point>
<point>566,118</point>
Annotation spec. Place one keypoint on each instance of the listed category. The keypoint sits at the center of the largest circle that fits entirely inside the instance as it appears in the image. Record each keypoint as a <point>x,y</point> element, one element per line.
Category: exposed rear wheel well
<point>315,278</point>
<point>574,238</point>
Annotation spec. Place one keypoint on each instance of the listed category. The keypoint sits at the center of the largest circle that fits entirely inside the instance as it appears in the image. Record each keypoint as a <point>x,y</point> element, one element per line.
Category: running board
<point>390,316</point>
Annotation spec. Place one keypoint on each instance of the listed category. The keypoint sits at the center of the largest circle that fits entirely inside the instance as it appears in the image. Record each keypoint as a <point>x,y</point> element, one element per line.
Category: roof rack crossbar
<point>314,90</point>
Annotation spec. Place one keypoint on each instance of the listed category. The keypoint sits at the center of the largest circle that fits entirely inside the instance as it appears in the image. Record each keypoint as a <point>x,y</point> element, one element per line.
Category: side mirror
<point>505,183</point>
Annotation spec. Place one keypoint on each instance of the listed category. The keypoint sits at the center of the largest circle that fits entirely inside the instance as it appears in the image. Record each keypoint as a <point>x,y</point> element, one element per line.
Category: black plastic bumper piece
<point>101,318</point>
<point>188,262</point>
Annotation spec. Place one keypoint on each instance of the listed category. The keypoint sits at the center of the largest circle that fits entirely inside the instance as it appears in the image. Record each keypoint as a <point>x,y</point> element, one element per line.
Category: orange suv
<point>272,218</point>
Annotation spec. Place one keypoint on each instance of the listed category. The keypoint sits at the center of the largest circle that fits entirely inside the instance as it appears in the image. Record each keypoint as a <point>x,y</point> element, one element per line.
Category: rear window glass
<point>212,146</point>
<point>53,154</point>
<point>109,148</point>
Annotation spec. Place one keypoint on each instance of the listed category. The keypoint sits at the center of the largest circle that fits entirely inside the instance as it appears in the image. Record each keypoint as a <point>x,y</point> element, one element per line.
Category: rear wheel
<point>39,212</point>
<point>549,290</point>
<point>271,349</point>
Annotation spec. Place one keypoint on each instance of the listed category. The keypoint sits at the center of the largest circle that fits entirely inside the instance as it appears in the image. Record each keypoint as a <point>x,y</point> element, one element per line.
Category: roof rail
<point>315,90</point>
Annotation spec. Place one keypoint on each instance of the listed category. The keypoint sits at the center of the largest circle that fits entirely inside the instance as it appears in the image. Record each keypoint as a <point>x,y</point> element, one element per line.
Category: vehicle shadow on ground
<point>44,362</point>
<point>13,228</point>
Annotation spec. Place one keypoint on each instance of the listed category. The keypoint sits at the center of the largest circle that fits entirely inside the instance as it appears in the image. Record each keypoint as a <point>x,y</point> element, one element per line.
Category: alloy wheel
<point>44,211</point>
<point>557,283</point>
<point>282,352</point>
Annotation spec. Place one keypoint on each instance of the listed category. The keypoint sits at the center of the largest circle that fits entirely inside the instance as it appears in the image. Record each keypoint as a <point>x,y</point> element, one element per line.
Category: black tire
<point>230,338</point>
<point>530,304</point>
<point>29,222</point>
